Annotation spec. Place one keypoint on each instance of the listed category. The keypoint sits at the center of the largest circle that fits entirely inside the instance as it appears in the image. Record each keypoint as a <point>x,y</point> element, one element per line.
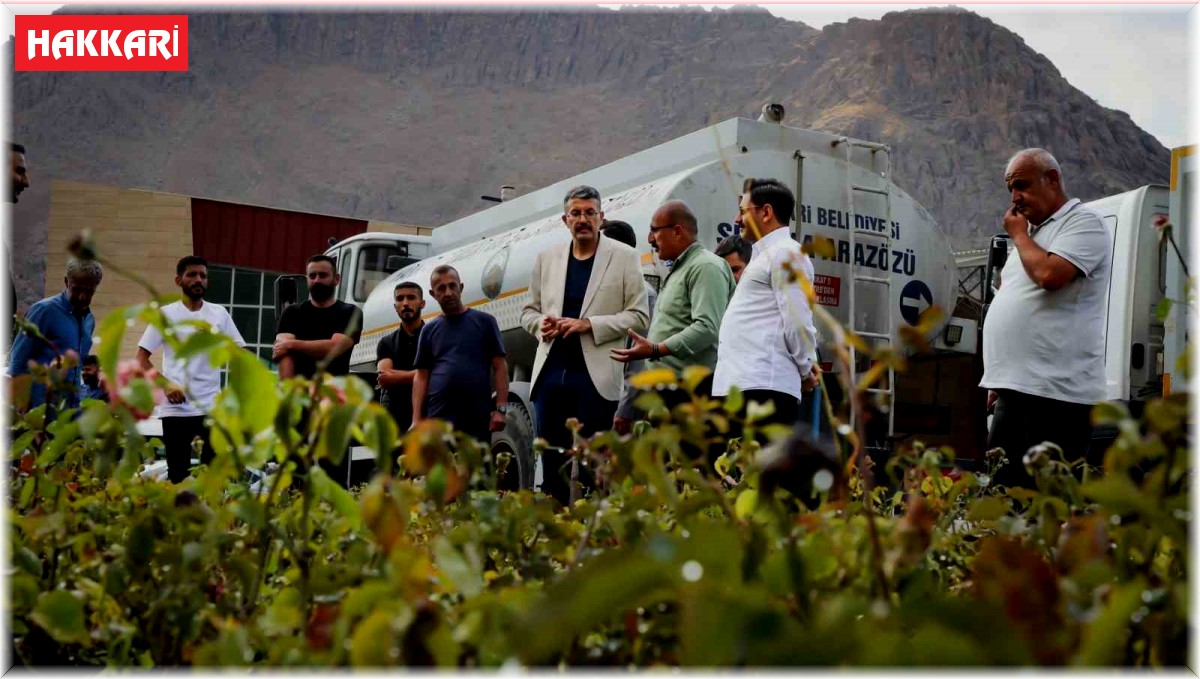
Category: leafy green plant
<point>672,562</point>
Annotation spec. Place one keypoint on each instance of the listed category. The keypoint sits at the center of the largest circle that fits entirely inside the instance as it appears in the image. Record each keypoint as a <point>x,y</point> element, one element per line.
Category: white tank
<point>494,249</point>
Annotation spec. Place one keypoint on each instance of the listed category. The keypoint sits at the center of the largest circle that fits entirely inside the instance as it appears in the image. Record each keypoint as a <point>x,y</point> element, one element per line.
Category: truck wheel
<point>516,439</point>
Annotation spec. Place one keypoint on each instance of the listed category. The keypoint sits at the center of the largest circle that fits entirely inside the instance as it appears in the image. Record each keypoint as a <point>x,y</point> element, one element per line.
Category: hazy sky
<point>1129,57</point>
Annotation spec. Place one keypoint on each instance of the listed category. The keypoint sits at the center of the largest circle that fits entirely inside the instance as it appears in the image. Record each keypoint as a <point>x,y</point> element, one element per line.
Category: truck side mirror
<point>395,263</point>
<point>997,257</point>
<point>287,292</point>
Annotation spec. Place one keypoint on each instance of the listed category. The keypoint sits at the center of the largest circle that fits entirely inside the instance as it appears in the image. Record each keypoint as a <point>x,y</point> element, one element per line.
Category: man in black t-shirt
<point>396,354</point>
<point>320,328</point>
<point>460,360</point>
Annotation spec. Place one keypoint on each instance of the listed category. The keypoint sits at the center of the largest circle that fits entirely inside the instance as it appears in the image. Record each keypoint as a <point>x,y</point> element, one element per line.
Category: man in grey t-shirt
<point>1043,338</point>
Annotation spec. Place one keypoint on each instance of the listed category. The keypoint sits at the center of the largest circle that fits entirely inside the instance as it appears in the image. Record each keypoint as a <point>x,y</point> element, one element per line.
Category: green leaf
<point>20,444</point>
<point>284,616</point>
<point>110,334</point>
<point>1165,415</point>
<point>746,503</point>
<point>465,574</point>
<point>734,401</point>
<point>1109,413</point>
<point>26,560</point>
<point>589,596</point>
<point>1163,309</point>
<point>61,615</point>
<point>251,511</point>
<point>381,435</point>
<point>987,509</point>
<point>1118,495</point>
<point>35,419</point>
<point>202,342</point>
<point>254,387</point>
<point>374,642</point>
<point>343,502</point>
<point>1103,641</point>
<point>58,445</point>
<point>335,434</point>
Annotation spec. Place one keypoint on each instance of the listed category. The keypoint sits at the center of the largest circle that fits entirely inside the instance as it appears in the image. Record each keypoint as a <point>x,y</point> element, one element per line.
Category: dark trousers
<point>559,395</point>
<point>178,434</point>
<point>1021,421</point>
<point>787,407</point>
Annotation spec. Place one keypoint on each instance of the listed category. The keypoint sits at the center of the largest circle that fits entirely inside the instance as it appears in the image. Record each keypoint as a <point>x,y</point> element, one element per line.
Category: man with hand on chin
<point>1043,338</point>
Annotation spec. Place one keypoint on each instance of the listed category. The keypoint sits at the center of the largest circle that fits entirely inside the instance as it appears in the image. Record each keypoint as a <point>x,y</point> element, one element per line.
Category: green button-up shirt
<point>687,315</point>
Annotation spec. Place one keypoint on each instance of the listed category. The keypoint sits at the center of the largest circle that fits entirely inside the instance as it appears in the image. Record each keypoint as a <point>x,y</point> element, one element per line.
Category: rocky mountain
<point>410,116</point>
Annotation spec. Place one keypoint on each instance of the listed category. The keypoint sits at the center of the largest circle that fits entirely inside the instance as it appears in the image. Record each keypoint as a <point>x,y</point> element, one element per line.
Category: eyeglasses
<point>654,229</point>
<point>590,214</point>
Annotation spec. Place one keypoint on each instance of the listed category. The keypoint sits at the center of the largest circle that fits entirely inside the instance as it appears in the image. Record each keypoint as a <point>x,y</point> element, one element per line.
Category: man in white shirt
<point>1043,338</point>
<point>767,346</point>
<point>193,384</point>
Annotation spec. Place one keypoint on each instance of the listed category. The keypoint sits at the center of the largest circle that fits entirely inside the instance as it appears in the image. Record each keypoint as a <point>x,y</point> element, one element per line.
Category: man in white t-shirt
<point>194,383</point>
<point>1043,338</point>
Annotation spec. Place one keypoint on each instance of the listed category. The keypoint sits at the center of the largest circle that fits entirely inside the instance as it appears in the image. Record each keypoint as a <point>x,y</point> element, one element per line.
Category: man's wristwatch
<point>654,352</point>
<point>502,409</point>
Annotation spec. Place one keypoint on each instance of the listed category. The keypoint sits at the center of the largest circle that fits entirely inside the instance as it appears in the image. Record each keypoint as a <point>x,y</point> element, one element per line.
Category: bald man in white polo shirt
<point>1043,338</point>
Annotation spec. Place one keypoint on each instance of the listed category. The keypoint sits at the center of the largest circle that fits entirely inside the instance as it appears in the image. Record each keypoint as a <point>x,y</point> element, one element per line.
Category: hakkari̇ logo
<point>105,42</point>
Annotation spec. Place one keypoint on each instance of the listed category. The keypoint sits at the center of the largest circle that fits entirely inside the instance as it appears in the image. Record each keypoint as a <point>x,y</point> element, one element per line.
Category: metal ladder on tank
<point>884,239</point>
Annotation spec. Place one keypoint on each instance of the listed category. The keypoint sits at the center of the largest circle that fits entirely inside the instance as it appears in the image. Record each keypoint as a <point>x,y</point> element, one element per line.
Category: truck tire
<point>516,439</point>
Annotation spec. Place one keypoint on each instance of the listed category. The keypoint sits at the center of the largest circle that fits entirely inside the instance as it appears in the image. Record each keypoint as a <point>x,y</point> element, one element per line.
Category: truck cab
<point>363,261</point>
<point>366,259</point>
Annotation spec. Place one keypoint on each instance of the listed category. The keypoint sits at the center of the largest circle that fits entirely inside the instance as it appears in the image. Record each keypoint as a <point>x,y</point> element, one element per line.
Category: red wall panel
<point>264,238</point>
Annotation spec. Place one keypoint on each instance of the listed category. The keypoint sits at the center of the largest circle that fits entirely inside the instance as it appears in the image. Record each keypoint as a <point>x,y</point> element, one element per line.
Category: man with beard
<point>585,296</point>
<point>460,363</point>
<point>20,182</point>
<point>20,176</point>
<point>94,386</point>
<point>321,328</point>
<point>397,352</point>
<point>192,384</point>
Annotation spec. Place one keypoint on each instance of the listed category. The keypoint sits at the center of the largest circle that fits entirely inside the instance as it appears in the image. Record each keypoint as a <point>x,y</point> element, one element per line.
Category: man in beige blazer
<point>586,297</point>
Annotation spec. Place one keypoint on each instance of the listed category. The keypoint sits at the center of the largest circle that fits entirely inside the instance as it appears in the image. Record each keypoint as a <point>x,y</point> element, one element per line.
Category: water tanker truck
<point>889,262</point>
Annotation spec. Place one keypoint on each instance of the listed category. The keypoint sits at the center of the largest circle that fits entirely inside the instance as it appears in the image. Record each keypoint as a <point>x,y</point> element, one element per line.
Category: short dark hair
<point>581,192</point>
<point>190,260</point>
<point>17,148</point>
<point>774,193</point>
<point>322,258</point>
<point>409,284</point>
<point>444,269</point>
<point>91,359</point>
<point>735,244</point>
<point>619,231</point>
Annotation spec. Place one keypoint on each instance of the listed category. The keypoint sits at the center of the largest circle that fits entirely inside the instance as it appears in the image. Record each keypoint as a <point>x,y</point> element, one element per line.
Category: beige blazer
<point>615,302</point>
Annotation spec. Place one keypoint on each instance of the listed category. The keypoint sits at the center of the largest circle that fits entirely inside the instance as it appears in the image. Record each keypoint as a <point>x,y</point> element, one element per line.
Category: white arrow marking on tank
<point>918,302</point>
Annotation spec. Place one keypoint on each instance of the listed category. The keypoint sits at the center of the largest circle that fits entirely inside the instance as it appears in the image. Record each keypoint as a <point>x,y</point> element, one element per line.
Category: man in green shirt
<point>687,314</point>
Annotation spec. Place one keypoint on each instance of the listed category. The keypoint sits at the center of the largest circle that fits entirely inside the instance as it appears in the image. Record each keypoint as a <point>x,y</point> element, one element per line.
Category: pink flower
<point>127,372</point>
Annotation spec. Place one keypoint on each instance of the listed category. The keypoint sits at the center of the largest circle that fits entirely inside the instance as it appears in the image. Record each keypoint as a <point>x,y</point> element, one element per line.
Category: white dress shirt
<point>767,339</point>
